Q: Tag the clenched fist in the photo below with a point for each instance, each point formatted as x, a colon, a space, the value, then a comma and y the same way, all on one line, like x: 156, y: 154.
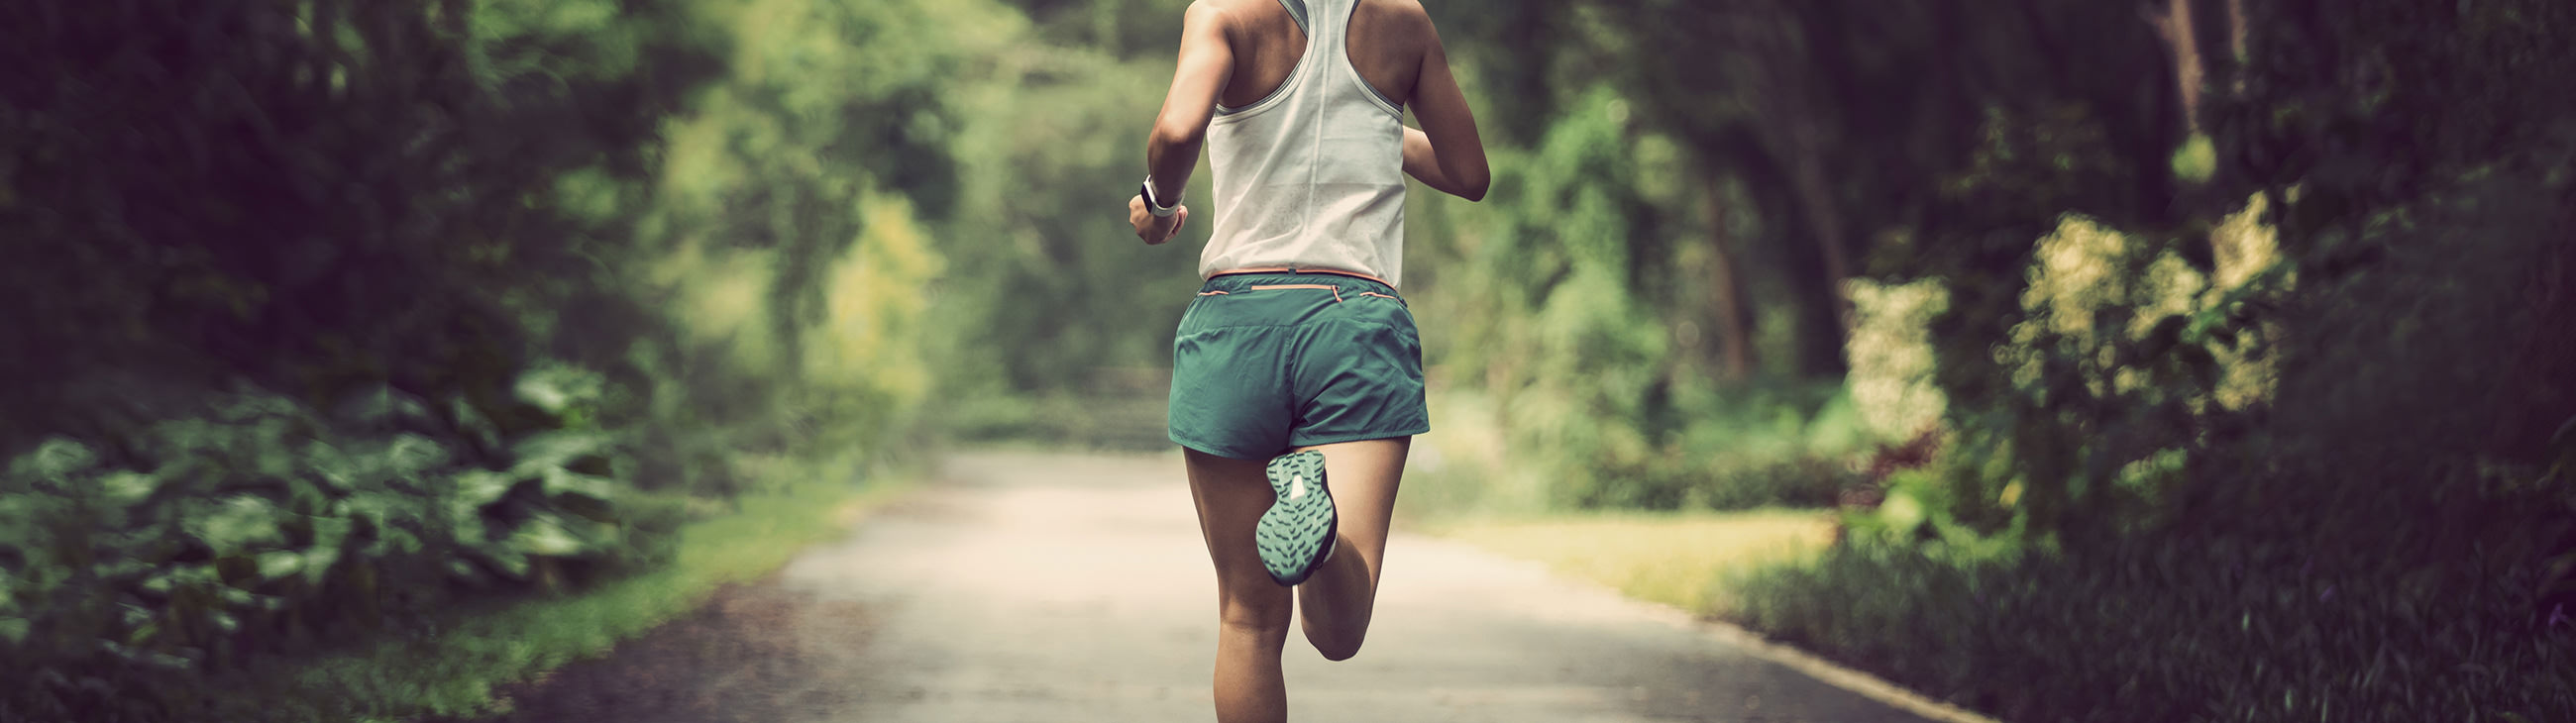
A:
x: 1153, y: 230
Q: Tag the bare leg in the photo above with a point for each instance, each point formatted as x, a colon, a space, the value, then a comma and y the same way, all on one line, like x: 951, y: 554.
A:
x: 1338, y: 599
x: 1252, y: 610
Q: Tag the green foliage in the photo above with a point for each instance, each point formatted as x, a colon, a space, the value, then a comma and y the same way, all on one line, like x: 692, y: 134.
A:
x: 2217, y: 631
x: 482, y: 646
x: 312, y: 196
x: 2268, y: 280
x: 1050, y: 295
x: 300, y: 275
x: 266, y: 527
x: 1561, y: 312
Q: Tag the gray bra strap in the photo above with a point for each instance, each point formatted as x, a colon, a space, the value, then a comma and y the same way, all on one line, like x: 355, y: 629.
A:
x: 1297, y: 10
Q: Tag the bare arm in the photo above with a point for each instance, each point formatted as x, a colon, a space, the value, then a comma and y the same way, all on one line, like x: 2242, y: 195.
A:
x: 1446, y: 154
x: 1172, y: 152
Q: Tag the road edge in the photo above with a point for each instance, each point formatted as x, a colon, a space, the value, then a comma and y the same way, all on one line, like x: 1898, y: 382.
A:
x: 1837, y: 675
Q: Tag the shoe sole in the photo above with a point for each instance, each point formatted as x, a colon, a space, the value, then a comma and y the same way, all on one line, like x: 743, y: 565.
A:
x: 1297, y: 533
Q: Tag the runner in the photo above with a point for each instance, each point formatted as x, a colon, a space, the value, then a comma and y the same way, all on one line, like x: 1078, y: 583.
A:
x: 1296, y: 372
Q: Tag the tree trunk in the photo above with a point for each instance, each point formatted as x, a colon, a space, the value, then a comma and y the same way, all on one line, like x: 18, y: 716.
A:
x: 2175, y: 26
x: 1825, y: 224
x: 1726, y: 293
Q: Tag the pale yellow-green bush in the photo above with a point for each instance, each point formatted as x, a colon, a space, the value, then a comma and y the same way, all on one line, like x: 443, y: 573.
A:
x: 2084, y: 269
x: 1891, y: 355
x: 867, y: 352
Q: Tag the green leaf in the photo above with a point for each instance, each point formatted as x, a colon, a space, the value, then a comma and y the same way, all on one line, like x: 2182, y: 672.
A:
x: 558, y: 389
x: 242, y: 523
x: 508, y: 560
x: 317, y: 564
x: 555, y: 449
x: 14, y: 630
x: 476, y: 488
x: 391, y: 541
x: 545, y: 535
x: 469, y: 529
x: 381, y: 405
x: 411, y: 454
x: 128, y: 488
x: 330, y: 466
x: 2196, y: 160
x: 559, y: 482
x: 473, y: 424
x: 1903, y: 511
x: 278, y: 564
x: 55, y: 459
x: 329, y: 532
x: 543, y: 392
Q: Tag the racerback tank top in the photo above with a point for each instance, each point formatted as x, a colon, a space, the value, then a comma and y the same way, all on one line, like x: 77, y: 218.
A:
x: 1312, y: 176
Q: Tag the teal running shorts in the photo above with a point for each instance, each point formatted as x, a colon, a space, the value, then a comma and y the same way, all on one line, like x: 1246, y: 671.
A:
x: 1267, y: 362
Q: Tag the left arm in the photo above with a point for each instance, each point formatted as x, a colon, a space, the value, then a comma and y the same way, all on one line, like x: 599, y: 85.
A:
x: 1172, y: 152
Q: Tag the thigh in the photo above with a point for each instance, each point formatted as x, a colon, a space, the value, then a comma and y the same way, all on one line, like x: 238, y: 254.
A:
x: 1231, y: 495
x: 1364, y: 476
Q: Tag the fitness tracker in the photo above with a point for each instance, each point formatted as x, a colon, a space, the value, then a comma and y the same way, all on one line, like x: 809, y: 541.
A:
x: 1156, y: 207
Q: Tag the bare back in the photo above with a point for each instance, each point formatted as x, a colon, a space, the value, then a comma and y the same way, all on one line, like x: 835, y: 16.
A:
x: 1387, y: 42
x: 1236, y: 54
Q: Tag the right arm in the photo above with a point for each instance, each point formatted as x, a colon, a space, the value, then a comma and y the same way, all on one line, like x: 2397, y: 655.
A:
x: 1446, y: 153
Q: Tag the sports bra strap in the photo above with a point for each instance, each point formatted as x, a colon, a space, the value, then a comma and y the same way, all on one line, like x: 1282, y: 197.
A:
x: 1297, y: 11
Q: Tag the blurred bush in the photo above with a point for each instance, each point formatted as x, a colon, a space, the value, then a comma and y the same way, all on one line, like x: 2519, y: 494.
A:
x: 266, y: 526
x: 327, y: 314
x: 2224, y: 630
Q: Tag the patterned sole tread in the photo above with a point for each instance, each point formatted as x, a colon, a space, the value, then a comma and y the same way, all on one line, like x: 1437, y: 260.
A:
x: 1295, y: 534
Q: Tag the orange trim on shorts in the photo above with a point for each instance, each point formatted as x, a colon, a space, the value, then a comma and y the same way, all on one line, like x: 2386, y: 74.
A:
x: 1337, y: 291
x: 1296, y: 270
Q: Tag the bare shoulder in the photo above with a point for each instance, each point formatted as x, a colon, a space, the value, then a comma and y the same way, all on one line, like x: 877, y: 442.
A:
x: 1400, y: 25
x: 1204, y: 11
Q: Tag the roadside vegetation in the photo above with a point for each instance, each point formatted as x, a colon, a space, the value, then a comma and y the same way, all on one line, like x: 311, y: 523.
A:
x: 2205, y: 360
x: 2240, y: 397
x: 363, y: 355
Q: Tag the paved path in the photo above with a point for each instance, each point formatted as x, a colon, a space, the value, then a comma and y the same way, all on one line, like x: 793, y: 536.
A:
x: 1027, y: 587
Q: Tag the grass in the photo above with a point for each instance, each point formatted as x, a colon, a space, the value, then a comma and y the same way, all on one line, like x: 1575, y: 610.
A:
x: 2165, y: 632
x: 1691, y: 560
x: 2207, y: 631
x: 1738, y: 451
x: 456, y: 671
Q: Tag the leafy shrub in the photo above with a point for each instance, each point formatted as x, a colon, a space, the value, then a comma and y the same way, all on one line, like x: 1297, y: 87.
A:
x: 2219, y: 630
x: 129, y: 564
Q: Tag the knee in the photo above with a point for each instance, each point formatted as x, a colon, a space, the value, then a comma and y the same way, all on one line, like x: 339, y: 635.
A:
x: 1260, y: 618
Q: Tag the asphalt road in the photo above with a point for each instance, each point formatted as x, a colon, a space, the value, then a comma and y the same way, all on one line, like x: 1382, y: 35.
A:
x: 1038, y: 587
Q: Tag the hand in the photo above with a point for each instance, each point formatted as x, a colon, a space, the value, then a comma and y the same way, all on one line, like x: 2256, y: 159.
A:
x: 1154, y: 231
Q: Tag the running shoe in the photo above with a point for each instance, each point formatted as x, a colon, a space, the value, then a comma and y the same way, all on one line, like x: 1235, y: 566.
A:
x: 1296, y: 535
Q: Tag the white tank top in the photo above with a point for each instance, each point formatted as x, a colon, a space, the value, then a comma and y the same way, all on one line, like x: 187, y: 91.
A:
x: 1313, y: 175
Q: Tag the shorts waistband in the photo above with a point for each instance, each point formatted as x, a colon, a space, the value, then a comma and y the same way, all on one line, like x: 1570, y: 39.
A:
x: 1266, y: 270
x: 1343, y: 285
